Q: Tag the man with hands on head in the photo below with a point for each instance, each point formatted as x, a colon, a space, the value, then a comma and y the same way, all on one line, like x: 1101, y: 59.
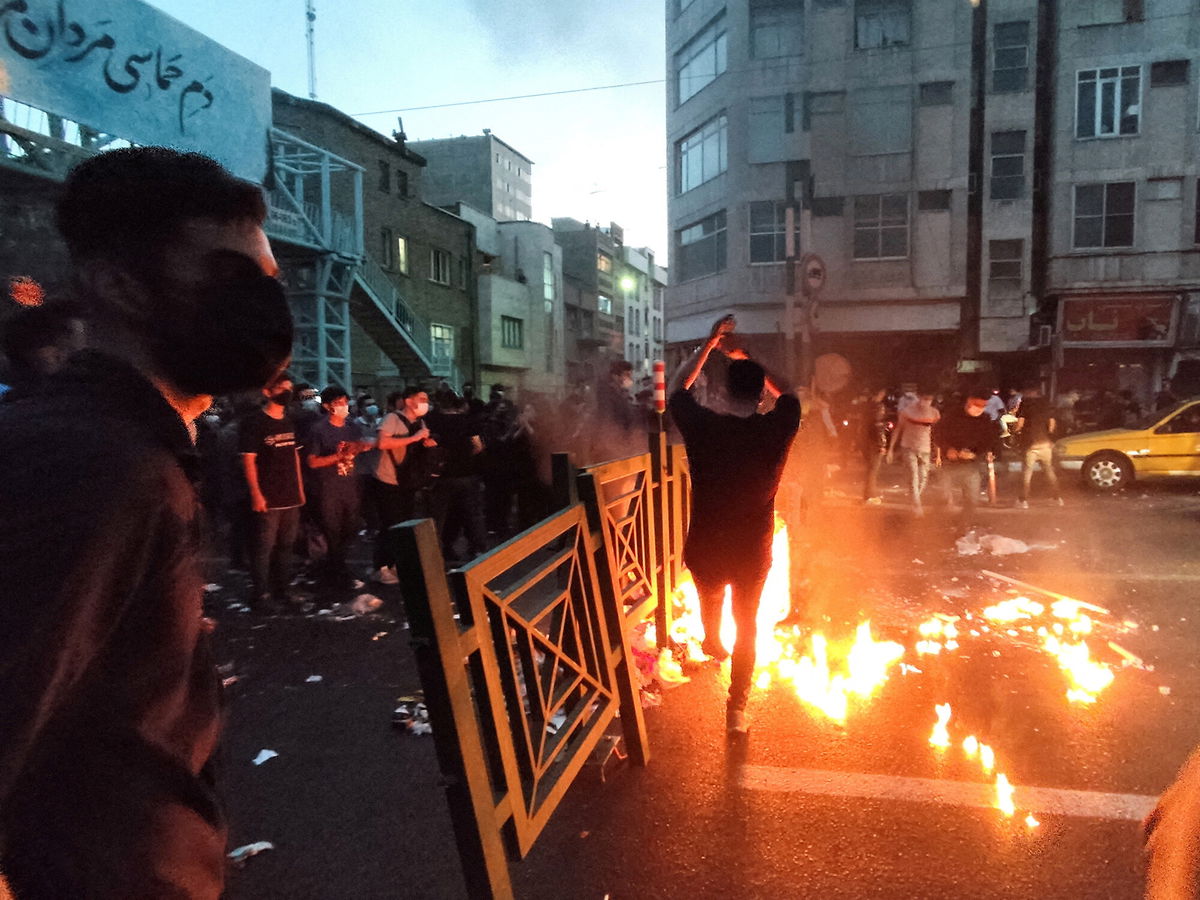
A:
x: 736, y: 460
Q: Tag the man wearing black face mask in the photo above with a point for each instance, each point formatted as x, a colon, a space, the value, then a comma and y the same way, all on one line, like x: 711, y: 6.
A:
x: 271, y: 462
x: 109, y: 702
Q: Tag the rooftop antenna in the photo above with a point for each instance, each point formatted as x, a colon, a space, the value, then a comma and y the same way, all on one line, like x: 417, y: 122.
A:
x: 310, y: 14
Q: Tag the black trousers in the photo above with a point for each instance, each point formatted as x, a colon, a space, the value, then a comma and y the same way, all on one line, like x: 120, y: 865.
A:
x: 458, y: 505
x: 273, y: 538
x: 337, y: 516
x: 393, y: 505
x: 744, y: 575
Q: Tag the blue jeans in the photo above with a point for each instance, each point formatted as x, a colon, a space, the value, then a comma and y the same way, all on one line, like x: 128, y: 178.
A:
x: 917, y: 463
x: 966, y: 477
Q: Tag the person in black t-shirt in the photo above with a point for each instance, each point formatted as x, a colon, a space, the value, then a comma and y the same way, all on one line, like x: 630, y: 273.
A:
x: 456, y: 493
x: 1035, y: 432
x: 271, y: 462
x: 736, y: 461
x: 333, y: 444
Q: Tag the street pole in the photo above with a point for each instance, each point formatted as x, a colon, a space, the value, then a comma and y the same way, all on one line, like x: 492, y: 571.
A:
x: 789, y: 297
x: 807, y: 325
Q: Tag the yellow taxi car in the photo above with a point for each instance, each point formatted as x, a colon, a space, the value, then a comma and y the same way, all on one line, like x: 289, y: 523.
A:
x: 1165, y: 444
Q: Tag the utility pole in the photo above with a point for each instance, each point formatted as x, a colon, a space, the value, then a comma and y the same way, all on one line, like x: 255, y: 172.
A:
x: 789, y: 301
x: 310, y: 15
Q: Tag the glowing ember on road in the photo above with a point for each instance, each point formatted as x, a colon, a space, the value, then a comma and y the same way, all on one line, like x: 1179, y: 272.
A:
x: 941, y: 736
x: 1004, y: 795
x: 1031, y: 821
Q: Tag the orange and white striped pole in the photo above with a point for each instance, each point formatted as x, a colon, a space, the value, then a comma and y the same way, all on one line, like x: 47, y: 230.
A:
x: 660, y: 386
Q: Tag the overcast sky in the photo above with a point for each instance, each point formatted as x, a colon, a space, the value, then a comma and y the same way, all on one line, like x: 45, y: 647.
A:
x: 597, y: 156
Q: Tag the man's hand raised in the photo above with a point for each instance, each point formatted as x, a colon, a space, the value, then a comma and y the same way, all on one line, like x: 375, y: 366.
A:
x: 723, y: 326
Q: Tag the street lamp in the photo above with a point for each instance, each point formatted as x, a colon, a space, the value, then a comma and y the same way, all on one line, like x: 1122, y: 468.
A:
x: 628, y: 283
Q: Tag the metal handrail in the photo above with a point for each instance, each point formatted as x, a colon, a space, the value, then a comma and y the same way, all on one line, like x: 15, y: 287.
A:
x: 383, y: 292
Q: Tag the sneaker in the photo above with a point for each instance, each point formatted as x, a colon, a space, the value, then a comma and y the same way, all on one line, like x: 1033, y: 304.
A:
x: 714, y: 650
x: 1059, y: 501
x: 386, y: 575
x: 1022, y: 504
x: 736, y: 721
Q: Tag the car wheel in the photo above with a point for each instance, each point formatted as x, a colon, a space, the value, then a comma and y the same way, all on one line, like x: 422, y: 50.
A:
x: 1107, y: 472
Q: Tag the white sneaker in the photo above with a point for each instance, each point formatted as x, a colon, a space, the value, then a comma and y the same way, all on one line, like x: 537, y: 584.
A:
x: 1022, y: 504
x: 1059, y: 501
x: 387, y: 575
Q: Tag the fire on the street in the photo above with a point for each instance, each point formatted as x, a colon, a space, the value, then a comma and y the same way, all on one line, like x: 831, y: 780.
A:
x: 835, y: 676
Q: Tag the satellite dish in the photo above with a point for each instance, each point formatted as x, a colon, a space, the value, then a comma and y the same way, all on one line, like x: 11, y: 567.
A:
x: 831, y: 372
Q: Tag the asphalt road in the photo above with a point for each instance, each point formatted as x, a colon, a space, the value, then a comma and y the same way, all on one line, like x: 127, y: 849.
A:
x: 802, y: 807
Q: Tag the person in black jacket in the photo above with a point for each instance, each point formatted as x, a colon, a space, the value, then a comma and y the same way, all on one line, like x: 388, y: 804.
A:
x: 966, y: 439
x: 109, y: 700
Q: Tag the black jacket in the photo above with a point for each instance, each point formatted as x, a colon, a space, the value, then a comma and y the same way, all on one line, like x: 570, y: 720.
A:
x: 109, y: 701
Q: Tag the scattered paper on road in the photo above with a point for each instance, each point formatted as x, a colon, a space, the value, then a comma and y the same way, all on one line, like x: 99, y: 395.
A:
x: 243, y: 853
x: 263, y: 756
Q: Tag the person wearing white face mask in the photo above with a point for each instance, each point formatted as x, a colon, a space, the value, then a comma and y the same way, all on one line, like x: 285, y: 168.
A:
x: 397, y: 473
x: 334, y: 442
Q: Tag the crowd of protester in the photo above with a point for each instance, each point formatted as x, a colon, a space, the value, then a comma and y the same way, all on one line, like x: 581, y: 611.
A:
x: 292, y: 479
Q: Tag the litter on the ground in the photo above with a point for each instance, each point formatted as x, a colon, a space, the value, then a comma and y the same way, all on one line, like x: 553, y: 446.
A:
x: 365, y: 603
x: 313, y: 679
x: 211, y: 588
x: 243, y: 853
x: 263, y: 756
x: 230, y: 681
x: 412, y: 715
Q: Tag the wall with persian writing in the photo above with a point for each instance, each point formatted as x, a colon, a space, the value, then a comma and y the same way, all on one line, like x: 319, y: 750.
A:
x: 124, y: 68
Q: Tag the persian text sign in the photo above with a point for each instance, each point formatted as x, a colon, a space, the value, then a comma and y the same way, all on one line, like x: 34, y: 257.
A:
x: 1118, y: 319
x: 126, y: 69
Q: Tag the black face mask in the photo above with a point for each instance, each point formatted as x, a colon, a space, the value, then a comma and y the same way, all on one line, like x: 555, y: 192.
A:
x: 283, y: 398
x: 233, y: 331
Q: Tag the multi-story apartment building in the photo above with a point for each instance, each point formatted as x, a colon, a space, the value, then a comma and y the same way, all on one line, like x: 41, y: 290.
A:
x: 965, y: 173
x: 418, y: 257
x: 641, y: 284
x: 520, y: 312
x: 481, y: 171
x: 595, y: 304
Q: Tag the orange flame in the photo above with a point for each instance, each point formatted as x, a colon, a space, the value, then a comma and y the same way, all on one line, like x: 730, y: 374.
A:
x: 940, y: 737
x: 1004, y: 795
x: 25, y: 291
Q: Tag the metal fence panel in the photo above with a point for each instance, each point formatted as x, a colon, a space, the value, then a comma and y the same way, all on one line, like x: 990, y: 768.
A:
x: 522, y: 677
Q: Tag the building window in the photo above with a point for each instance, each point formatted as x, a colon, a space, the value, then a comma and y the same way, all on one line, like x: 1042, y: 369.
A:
x: 658, y: 291
x: 441, y: 339
x: 1196, y: 236
x: 512, y: 333
x: 439, y: 266
x: 700, y: 247
x: 1004, y: 265
x: 1010, y: 57
x: 548, y: 276
x: 401, y: 182
x: 702, y: 59
x: 658, y: 329
x: 703, y: 154
x: 604, y: 304
x: 402, y: 255
x: 587, y: 323
x: 1108, y: 101
x: 1169, y: 72
x: 937, y: 93
x: 1008, y: 165
x: 776, y: 29
x: 387, y: 248
x: 604, y: 263
x: 1104, y: 215
x: 933, y: 201
x: 385, y: 176
x: 768, y: 231
x: 881, y: 226
x: 462, y: 272
x: 826, y: 207
x: 881, y: 23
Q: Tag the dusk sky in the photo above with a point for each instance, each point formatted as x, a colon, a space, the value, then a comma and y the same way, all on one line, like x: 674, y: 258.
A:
x: 597, y: 156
